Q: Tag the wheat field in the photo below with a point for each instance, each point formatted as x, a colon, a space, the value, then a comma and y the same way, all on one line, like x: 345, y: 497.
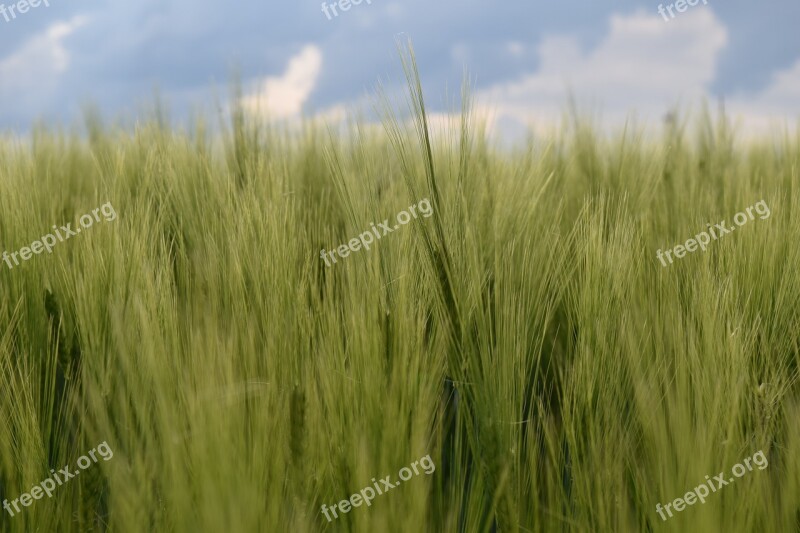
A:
x: 525, y: 337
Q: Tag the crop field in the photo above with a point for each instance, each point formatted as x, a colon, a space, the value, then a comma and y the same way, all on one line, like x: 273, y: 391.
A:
x: 229, y: 351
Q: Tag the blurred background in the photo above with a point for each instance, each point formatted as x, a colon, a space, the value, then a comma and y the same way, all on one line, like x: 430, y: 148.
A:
x: 525, y: 59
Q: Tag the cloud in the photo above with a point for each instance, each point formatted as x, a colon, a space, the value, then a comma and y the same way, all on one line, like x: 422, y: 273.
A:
x: 643, y: 67
x: 283, y: 96
x: 32, y: 71
x: 762, y: 112
x: 643, y: 64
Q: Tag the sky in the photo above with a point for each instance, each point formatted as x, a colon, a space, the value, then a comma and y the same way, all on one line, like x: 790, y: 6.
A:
x: 617, y: 59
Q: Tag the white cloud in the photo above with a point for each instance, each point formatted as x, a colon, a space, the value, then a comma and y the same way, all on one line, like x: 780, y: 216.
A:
x: 766, y: 110
x: 643, y: 65
x: 31, y: 72
x: 283, y: 96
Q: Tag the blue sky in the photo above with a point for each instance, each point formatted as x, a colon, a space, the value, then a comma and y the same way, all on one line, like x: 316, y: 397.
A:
x: 616, y: 57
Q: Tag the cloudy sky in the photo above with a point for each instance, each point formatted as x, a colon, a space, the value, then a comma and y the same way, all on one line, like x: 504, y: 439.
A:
x: 525, y: 57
